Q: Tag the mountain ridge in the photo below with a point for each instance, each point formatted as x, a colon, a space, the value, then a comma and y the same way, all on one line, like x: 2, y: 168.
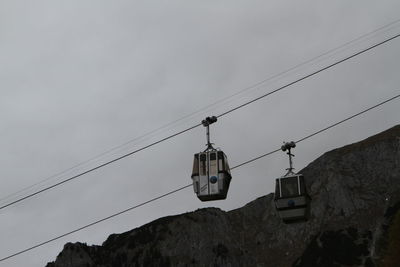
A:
x: 355, y: 205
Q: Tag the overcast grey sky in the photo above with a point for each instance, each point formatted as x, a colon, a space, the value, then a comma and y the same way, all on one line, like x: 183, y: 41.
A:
x: 78, y: 78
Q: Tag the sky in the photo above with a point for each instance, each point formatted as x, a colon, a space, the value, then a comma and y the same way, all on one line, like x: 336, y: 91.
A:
x: 84, y: 82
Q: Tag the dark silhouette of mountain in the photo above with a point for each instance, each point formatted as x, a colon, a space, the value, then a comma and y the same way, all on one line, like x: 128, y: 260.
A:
x: 354, y: 221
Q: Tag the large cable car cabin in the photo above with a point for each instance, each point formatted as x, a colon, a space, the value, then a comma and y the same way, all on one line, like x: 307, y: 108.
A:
x: 211, y: 174
x: 291, y: 198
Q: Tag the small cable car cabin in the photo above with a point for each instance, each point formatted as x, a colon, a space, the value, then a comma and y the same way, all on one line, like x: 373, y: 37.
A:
x: 291, y: 198
x: 211, y: 175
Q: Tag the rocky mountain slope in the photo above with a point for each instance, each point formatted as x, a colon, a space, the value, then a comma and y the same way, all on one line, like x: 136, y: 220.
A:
x: 354, y: 221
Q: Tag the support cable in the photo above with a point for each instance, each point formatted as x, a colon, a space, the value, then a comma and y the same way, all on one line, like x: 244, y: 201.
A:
x: 98, y: 167
x: 319, y: 131
x: 310, y: 75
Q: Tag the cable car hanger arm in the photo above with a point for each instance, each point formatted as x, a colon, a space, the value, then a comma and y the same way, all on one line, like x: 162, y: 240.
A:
x: 206, y: 123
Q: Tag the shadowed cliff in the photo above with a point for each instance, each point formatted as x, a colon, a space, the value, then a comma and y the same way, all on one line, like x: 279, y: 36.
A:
x: 354, y: 221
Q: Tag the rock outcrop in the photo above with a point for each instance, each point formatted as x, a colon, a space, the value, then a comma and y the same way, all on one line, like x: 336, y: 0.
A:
x: 354, y: 221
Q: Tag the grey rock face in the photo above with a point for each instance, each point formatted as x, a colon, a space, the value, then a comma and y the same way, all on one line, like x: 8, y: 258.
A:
x: 354, y: 189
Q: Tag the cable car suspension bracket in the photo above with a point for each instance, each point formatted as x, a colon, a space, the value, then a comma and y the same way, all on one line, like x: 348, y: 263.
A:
x: 288, y: 146
x: 206, y: 123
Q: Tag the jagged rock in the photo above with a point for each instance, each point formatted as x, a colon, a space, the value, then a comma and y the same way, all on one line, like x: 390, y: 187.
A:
x: 77, y: 255
x: 354, y: 221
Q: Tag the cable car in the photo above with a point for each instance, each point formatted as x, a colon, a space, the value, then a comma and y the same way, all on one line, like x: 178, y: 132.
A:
x: 211, y: 175
x: 291, y: 198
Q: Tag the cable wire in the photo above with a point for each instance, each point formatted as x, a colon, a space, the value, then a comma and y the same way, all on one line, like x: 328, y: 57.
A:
x: 310, y: 75
x: 195, y: 126
x: 99, y: 166
x: 319, y: 131
x: 189, y: 185
x: 95, y: 222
